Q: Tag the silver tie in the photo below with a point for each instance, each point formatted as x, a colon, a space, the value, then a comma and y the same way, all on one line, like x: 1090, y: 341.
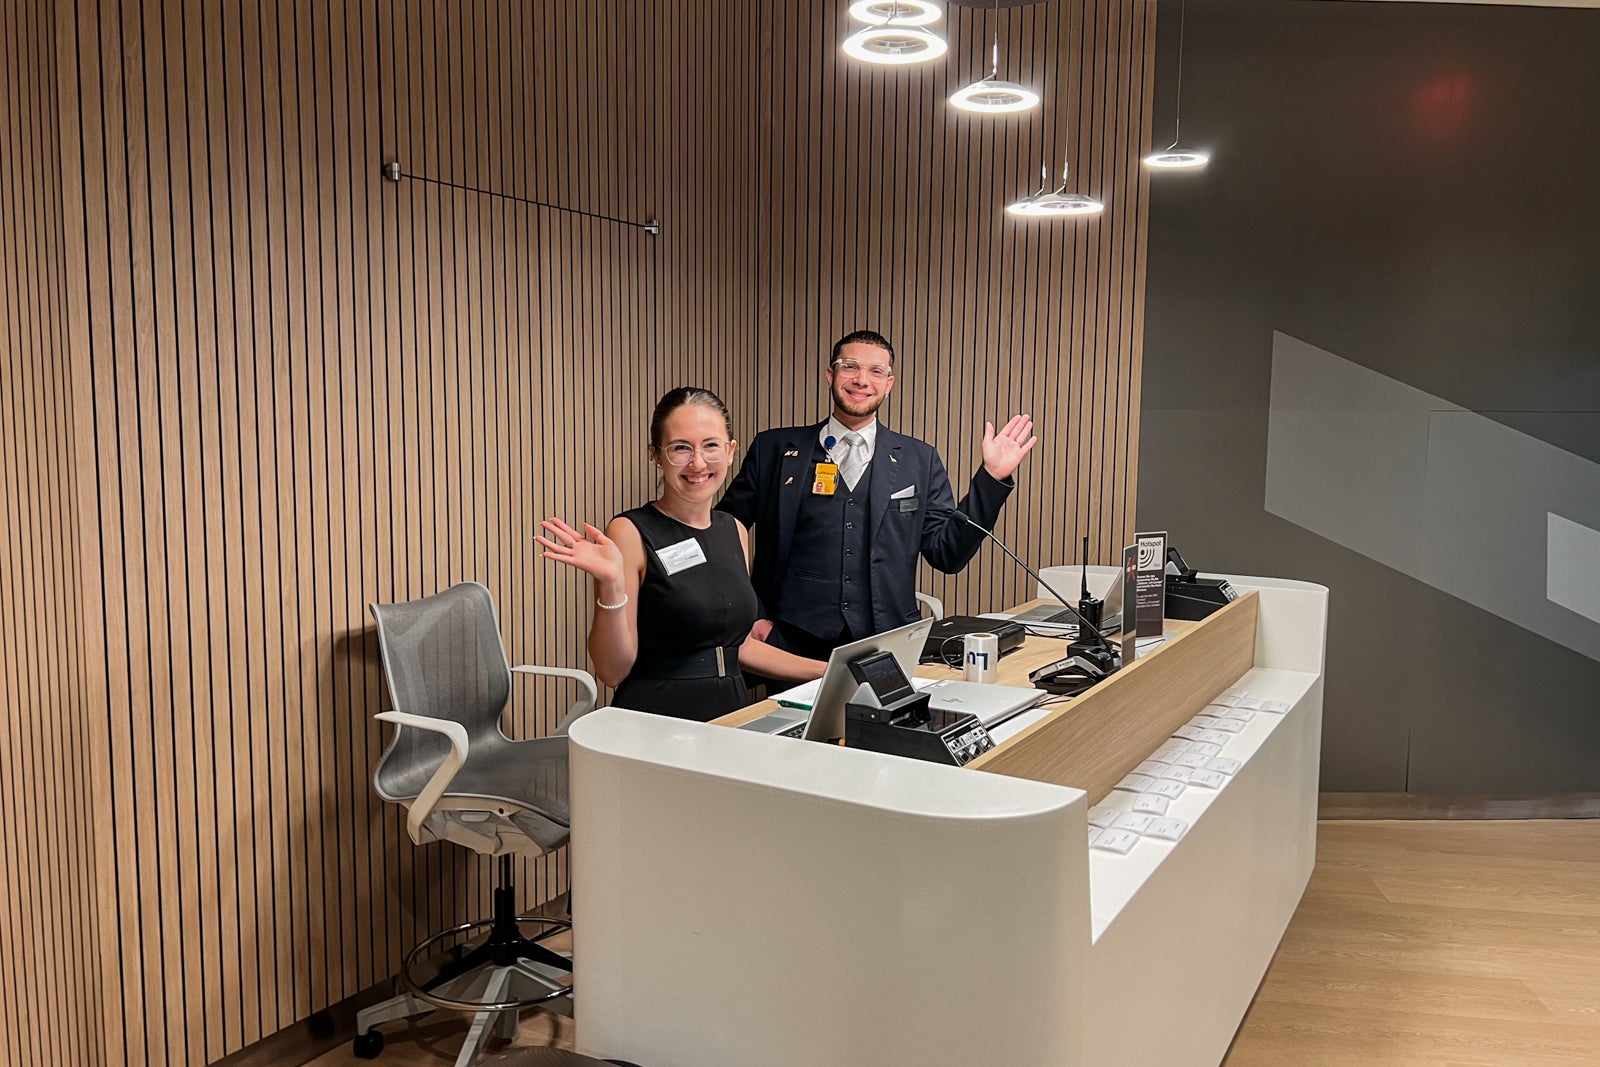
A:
x: 854, y: 460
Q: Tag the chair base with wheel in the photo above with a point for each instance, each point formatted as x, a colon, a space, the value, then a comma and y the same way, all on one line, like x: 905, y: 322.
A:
x: 492, y: 979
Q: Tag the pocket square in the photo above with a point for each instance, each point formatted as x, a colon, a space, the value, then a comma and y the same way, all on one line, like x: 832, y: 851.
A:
x: 901, y: 494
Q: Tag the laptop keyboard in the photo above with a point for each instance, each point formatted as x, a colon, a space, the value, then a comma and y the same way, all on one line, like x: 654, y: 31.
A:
x: 797, y: 730
x: 1045, y: 613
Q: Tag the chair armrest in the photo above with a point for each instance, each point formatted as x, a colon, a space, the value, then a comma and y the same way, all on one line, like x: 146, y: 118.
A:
x: 422, y: 807
x: 580, y: 707
x: 934, y: 604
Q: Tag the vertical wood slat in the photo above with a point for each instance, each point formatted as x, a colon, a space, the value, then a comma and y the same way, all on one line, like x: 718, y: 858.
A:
x: 294, y: 389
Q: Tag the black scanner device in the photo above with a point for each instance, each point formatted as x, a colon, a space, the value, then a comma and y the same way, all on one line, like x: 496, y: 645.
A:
x: 888, y: 715
x: 1190, y: 596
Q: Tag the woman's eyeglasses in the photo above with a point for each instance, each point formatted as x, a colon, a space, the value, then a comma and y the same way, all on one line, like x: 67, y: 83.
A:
x: 712, y: 452
x: 878, y: 372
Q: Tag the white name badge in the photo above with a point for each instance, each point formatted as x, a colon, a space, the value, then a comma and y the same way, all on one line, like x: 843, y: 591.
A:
x: 681, y: 556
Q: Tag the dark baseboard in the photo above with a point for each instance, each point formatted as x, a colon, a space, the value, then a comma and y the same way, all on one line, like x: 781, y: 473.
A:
x: 300, y: 1043
x: 304, y: 1041
x: 1458, y: 806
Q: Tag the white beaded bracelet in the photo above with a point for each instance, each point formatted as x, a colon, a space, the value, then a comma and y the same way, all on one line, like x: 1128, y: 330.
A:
x: 612, y: 607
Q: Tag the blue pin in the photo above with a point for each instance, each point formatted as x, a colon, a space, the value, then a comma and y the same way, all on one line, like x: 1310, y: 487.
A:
x: 828, y: 442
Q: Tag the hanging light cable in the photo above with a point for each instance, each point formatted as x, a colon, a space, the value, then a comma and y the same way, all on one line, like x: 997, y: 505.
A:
x: 993, y: 95
x: 1024, y: 206
x: 1057, y: 204
x: 900, y: 38
x: 1172, y: 157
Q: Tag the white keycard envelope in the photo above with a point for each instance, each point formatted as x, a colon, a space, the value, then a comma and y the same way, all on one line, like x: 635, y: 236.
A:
x: 1118, y: 841
x: 1167, y: 787
x: 1227, y: 726
x: 1102, y: 816
x: 1167, y: 829
x: 1206, y: 779
x: 681, y: 556
x: 1150, y: 804
x: 1129, y: 820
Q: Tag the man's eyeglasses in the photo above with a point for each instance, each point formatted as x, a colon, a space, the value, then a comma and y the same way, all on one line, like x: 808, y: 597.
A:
x: 712, y: 452
x: 878, y: 372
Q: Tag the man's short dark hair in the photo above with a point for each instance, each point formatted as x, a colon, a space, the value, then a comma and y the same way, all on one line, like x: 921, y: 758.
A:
x: 862, y: 337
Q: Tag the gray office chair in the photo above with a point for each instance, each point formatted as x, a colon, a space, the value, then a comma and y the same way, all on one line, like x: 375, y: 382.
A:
x: 462, y: 779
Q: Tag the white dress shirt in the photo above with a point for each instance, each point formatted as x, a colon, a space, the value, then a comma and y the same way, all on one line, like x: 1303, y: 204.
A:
x: 836, y: 430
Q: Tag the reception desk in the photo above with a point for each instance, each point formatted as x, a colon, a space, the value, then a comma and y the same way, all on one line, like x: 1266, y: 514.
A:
x: 750, y: 899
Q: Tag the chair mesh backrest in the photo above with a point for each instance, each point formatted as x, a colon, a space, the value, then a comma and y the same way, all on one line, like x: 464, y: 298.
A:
x: 443, y: 658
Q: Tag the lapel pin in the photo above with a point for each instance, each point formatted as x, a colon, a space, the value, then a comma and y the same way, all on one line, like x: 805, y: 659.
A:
x: 893, y: 460
x: 789, y: 480
x: 792, y: 452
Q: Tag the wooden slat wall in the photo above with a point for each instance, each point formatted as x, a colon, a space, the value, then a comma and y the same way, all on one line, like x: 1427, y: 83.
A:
x: 50, y: 984
x: 881, y: 207
x: 253, y: 387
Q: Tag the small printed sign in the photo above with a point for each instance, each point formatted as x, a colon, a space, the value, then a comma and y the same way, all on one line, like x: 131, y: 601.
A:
x: 1151, y: 583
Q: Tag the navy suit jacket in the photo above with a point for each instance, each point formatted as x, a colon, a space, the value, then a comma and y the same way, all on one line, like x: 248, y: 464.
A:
x: 778, y: 472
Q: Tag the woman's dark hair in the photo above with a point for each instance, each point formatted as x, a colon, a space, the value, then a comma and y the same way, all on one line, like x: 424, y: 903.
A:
x: 677, y: 398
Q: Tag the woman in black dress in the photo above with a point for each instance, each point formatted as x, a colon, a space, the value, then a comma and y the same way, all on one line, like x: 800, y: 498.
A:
x: 673, y: 599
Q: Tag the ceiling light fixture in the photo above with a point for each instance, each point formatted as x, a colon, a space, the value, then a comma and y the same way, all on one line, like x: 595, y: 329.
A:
x: 993, y: 95
x: 905, y: 12
x: 1172, y: 157
x: 1056, y: 205
x: 897, y: 41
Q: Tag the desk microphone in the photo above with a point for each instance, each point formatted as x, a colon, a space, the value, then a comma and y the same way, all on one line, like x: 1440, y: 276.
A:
x: 1105, y: 655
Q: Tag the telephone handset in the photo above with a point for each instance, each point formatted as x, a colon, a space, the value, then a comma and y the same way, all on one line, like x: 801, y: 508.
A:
x: 1067, y: 677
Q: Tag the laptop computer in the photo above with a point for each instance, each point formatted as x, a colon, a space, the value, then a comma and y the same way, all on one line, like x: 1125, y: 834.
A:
x: 1050, y: 615
x: 815, y: 710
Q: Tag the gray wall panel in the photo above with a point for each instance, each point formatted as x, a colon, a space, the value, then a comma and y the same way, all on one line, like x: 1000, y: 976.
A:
x: 1407, y: 187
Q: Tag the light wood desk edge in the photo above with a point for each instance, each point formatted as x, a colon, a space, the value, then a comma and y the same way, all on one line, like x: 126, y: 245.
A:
x: 1092, y: 741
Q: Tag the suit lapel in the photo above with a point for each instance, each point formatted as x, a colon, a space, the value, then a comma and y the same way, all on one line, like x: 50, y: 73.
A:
x: 884, y: 471
x: 794, y: 481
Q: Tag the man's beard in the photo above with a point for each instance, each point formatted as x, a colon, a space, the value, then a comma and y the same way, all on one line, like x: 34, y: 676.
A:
x: 850, y: 407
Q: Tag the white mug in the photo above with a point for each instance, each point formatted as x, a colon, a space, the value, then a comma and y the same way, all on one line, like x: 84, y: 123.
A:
x: 982, y: 657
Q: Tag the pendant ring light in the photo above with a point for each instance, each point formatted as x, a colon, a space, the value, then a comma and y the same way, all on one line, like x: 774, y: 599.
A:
x: 994, y: 95
x: 1172, y: 157
x: 1059, y: 204
x: 899, y: 39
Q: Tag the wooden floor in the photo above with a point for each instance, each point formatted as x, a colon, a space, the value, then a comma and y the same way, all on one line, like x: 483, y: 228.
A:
x: 1445, y: 944
x: 1451, y: 944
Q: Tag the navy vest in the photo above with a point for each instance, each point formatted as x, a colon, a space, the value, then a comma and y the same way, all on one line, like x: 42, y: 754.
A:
x: 828, y: 588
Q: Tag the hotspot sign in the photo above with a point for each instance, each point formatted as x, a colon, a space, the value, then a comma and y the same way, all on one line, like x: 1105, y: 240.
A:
x: 1150, y: 584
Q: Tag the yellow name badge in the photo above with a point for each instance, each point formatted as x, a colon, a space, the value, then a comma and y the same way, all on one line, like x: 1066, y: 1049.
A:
x: 827, y: 476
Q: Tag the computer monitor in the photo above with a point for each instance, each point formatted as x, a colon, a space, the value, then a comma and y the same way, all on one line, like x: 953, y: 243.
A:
x: 838, y: 684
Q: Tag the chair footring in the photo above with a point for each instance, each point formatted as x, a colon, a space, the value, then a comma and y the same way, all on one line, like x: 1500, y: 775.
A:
x: 501, y: 950
x: 484, y: 991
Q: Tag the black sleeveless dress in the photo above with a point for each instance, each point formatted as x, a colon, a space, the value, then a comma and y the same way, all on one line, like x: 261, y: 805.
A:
x: 692, y: 621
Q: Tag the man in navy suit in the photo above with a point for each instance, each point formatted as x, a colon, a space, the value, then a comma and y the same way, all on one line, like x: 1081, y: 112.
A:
x: 842, y: 509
